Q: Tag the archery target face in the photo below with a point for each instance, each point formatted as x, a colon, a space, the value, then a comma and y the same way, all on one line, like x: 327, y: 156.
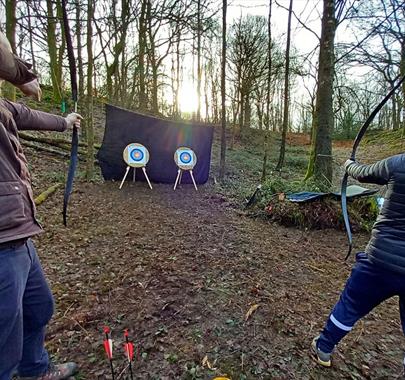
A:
x: 136, y: 155
x: 185, y: 158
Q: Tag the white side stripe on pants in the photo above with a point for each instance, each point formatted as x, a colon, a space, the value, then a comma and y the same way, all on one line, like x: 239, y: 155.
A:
x: 340, y: 325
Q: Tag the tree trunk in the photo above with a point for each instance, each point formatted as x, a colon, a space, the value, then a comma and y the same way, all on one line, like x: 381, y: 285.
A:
x: 223, y: 89
x: 234, y: 120
x: 113, y: 69
x: 269, y: 68
x: 402, y: 72
x: 153, y: 60
x: 62, y: 49
x: 89, y: 119
x: 241, y: 115
x: 320, y: 164
x: 177, y: 89
x: 206, y: 100
x: 248, y: 114
x: 11, y: 23
x: 34, y: 64
x: 79, y: 50
x: 286, y: 92
x: 142, y: 51
x: 198, y: 60
x: 80, y: 65
x: 53, y: 52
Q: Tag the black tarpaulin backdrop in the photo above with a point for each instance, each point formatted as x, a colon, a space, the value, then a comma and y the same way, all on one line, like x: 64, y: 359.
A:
x: 161, y: 138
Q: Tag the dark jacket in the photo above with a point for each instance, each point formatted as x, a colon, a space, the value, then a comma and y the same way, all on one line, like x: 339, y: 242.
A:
x: 14, y: 69
x: 17, y: 208
x: 386, y: 247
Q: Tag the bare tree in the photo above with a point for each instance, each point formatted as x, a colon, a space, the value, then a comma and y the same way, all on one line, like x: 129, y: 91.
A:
x: 269, y: 70
x: 11, y: 23
x: 280, y: 162
x: 89, y: 111
x: 320, y: 163
x: 223, y: 94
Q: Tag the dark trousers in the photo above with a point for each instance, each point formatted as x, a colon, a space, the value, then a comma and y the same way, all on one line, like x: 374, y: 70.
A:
x: 26, y: 306
x: 367, y: 286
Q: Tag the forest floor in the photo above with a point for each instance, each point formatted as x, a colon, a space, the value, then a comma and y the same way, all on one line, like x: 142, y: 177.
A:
x: 204, y: 288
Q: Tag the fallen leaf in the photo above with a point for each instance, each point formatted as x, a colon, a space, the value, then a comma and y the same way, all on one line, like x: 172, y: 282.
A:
x: 206, y: 363
x: 252, y: 309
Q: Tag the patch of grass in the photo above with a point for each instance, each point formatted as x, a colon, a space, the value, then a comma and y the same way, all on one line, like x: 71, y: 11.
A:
x: 55, y: 176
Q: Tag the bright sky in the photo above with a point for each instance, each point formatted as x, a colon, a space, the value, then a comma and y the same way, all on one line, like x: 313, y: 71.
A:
x: 309, y: 11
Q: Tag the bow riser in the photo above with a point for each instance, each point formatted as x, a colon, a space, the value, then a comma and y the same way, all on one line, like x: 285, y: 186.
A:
x: 75, y: 134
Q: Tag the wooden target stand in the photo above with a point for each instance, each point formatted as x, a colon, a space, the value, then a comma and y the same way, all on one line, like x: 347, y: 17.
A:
x: 136, y: 156
x: 185, y: 159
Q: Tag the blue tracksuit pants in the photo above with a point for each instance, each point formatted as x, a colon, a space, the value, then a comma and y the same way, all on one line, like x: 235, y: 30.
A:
x: 26, y: 306
x: 367, y: 286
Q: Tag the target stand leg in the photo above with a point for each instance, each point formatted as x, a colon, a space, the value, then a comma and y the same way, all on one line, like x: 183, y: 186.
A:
x: 192, y: 178
x: 146, y: 176
x: 133, y: 178
x: 177, y: 179
x: 125, y: 176
x: 181, y: 177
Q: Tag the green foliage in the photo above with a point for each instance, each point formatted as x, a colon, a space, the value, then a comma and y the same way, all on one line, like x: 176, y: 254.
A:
x: 364, y: 212
x: 171, y: 358
x: 390, y: 142
x: 54, y: 176
x: 347, y: 127
x: 193, y: 371
x: 296, y: 162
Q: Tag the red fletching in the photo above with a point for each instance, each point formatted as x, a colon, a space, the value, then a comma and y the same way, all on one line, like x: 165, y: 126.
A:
x: 126, y: 333
x: 108, y: 348
x: 129, y: 350
x: 106, y: 329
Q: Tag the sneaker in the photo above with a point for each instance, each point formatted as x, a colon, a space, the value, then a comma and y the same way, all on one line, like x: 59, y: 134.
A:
x: 323, y: 358
x: 55, y: 372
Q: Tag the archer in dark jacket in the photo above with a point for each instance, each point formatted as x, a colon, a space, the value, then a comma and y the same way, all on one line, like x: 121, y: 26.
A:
x: 26, y: 302
x: 379, y: 272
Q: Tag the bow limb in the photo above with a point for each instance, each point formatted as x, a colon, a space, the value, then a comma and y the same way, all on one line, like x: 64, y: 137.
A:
x: 75, y: 135
x: 345, y: 213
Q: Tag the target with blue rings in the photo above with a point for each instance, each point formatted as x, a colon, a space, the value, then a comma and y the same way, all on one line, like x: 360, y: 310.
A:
x: 185, y: 158
x: 136, y: 155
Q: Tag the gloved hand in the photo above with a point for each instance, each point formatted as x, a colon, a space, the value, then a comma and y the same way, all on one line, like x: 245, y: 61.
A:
x: 31, y: 89
x: 348, y: 163
x: 73, y: 119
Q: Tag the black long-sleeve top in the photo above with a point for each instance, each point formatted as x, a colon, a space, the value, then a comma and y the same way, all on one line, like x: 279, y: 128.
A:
x: 386, y: 246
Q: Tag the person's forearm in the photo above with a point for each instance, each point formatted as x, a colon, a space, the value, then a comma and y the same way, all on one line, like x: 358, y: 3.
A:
x: 377, y: 173
x: 27, y: 119
x: 42, y: 121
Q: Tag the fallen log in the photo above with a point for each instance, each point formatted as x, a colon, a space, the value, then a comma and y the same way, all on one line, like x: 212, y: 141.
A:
x: 46, y: 149
x: 52, y: 141
x: 56, y: 152
x: 43, y: 196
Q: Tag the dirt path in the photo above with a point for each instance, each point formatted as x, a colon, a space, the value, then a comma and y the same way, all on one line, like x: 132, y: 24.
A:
x: 181, y: 269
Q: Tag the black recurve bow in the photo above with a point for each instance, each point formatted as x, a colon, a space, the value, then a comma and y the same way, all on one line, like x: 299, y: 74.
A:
x: 356, y: 144
x: 75, y: 135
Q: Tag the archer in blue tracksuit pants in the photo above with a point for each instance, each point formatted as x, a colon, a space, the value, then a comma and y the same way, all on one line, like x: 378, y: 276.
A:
x: 26, y: 306
x: 379, y: 272
x: 359, y: 297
